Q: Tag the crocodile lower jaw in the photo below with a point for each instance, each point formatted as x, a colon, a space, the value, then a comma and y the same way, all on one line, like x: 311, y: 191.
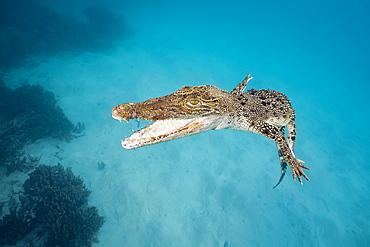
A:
x: 170, y: 129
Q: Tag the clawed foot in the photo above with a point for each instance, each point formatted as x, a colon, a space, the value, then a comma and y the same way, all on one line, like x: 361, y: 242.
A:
x: 298, y: 172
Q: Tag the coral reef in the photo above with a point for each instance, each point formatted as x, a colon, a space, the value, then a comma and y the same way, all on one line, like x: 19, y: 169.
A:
x: 101, y: 165
x: 27, y: 28
x: 27, y: 114
x: 14, y: 226
x: 54, y: 210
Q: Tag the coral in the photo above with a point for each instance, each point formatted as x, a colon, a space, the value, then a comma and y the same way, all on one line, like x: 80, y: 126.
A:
x: 36, y: 108
x: 78, y: 130
x: 21, y: 162
x: 55, y: 206
x: 27, y: 114
x: 101, y: 165
x: 14, y: 226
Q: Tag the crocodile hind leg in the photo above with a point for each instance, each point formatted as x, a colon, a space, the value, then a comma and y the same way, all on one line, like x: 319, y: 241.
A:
x: 283, y: 163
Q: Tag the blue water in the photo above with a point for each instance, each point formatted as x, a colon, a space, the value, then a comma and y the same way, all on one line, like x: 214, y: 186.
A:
x: 215, y: 189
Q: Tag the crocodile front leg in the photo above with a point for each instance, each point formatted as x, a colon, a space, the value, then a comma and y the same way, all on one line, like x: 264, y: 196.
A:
x: 291, y: 140
x: 294, y: 163
x: 274, y: 134
x: 284, y: 149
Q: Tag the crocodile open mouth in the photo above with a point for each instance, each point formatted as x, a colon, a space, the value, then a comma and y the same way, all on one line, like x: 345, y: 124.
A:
x: 169, y: 129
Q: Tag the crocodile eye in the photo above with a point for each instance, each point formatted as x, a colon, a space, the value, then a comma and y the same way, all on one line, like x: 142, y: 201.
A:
x: 193, y: 102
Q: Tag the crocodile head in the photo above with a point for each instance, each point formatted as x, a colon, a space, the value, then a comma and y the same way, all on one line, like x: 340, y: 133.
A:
x: 188, y: 111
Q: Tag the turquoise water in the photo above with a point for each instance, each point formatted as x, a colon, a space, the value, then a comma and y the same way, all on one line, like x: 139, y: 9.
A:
x: 215, y: 189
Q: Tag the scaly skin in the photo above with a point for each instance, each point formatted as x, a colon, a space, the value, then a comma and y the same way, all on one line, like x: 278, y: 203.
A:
x: 193, y: 110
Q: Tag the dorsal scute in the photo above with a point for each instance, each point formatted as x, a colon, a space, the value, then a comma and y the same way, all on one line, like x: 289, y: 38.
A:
x: 241, y: 86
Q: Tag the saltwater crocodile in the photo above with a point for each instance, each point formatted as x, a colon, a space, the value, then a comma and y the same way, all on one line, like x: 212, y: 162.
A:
x: 193, y: 110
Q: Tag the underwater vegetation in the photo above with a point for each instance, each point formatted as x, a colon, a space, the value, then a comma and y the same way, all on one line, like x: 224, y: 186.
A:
x: 53, y: 211
x: 28, y: 114
x: 28, y: 29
